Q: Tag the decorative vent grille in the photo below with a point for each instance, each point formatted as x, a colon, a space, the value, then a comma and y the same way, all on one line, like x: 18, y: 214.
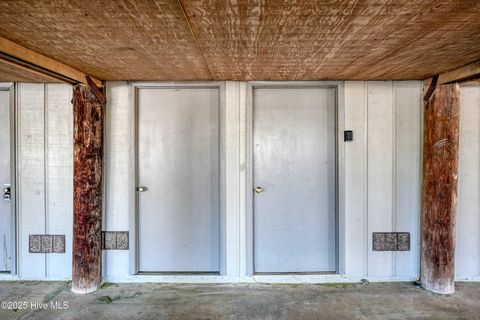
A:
x: 391, y: 241
x: 46, y: 243
x: 115, y: 240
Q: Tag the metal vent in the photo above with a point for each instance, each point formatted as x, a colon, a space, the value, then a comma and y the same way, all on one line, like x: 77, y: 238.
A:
x: 46, y: 243
x: 115, y: 240
x: 391, y: 241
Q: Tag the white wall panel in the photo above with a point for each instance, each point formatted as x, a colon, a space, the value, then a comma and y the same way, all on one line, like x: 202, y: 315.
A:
x: 382, y: 175
x: 235, y: 237
x: 119, y: 157
x: 59, y: 175
x: 31, y: 176
x: 407, y: 172
x: 356, y: 243
x: 380, y: 151
x: 467, y: 255
x: 45, y: 175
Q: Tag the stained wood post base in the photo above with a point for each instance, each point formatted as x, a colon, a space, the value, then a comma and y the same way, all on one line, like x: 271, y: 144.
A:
x: 88, y: 115
x: 440, y: 169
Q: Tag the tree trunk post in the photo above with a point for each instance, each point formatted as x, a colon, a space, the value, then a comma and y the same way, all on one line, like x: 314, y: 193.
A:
x: 440, y: 168
x: 88, y: 114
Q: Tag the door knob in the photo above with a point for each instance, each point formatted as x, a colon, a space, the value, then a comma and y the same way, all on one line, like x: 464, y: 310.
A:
x: 258, y: 189
x: 141, y: 189
x: 7, y: 194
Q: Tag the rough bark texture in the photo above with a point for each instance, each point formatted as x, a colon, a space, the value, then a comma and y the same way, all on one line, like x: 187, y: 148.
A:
x: 440, y: 162
x: 87, y: 207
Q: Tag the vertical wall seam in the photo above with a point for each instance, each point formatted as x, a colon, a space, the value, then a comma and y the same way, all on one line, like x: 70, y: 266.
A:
x: 16, y: 236
x: 418, y: 226
x: 240, y: 193
x: 45, y: 166
x: 133, y: 112
x: 394, y: 171
x: 245, y: 254
x: 45, y: 154
x: 365, y: 179
x: 105, y: 181
x: 18, y: 172
x: 237, y: 182
x: 222, y: 164
x: 478, y: 188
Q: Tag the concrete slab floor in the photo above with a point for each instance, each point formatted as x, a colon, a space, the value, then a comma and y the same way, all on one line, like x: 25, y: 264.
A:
x: 238, y: 301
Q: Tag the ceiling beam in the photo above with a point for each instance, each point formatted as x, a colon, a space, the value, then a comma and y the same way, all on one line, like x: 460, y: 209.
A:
x: 12, y: 72
x: 26, y: 58
x: 467, y: 72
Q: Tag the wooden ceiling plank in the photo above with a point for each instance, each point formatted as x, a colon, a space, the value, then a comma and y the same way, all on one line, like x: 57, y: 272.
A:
x: 195, y: 38
x: 26, y: 55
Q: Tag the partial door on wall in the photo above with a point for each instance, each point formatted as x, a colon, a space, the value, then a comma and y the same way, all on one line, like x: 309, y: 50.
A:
x: 294, y: 179
x: 178, y: 167
x: 7, y: 254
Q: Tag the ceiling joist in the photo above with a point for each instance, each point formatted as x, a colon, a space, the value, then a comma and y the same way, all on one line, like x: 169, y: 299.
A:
x: 12, y: 72
x: 27, y: 61
x: 467, y: 72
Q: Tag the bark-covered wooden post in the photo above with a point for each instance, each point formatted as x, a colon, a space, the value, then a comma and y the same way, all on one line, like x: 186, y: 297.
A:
x: 440, y: 163
x: 88, y: 112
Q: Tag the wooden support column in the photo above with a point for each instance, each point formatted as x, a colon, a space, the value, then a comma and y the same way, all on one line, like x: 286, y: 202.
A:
x: 440, y: 163
x: 88, y: 114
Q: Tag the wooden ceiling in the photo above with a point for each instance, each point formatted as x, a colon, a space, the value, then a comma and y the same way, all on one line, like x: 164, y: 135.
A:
x: 248, y: 40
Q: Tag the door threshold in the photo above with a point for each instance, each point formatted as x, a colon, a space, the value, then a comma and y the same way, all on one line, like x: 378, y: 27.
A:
x: 178, y: 273
x: 320, y: 273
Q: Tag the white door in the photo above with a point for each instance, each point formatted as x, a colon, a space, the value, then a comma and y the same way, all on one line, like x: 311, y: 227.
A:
x: 294, y: 176
x: 6, y: 227
x: 178, y: 176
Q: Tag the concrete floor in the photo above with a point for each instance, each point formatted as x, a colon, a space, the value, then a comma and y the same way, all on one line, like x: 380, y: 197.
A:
x: 241, y: 301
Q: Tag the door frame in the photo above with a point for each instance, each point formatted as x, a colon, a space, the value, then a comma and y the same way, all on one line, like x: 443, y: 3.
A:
x: 134, y: 87
x: 339, y: 164
x: 9, y: 86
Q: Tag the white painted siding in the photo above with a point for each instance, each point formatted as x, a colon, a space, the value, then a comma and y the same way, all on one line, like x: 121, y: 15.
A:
x: 356, y: 247
x: 235, y: 100
x: 59, y: 175
x: 408, y: 173
x: 380, y: 170
x: 467, y: 265
x: 119, y: 157
x: 382, y: 180
x: 31, y: 175
x: 382, y: 175
x: 45, y: 176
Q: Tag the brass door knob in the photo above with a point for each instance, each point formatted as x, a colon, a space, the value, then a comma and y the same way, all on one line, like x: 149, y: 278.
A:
x: 258, y: 189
